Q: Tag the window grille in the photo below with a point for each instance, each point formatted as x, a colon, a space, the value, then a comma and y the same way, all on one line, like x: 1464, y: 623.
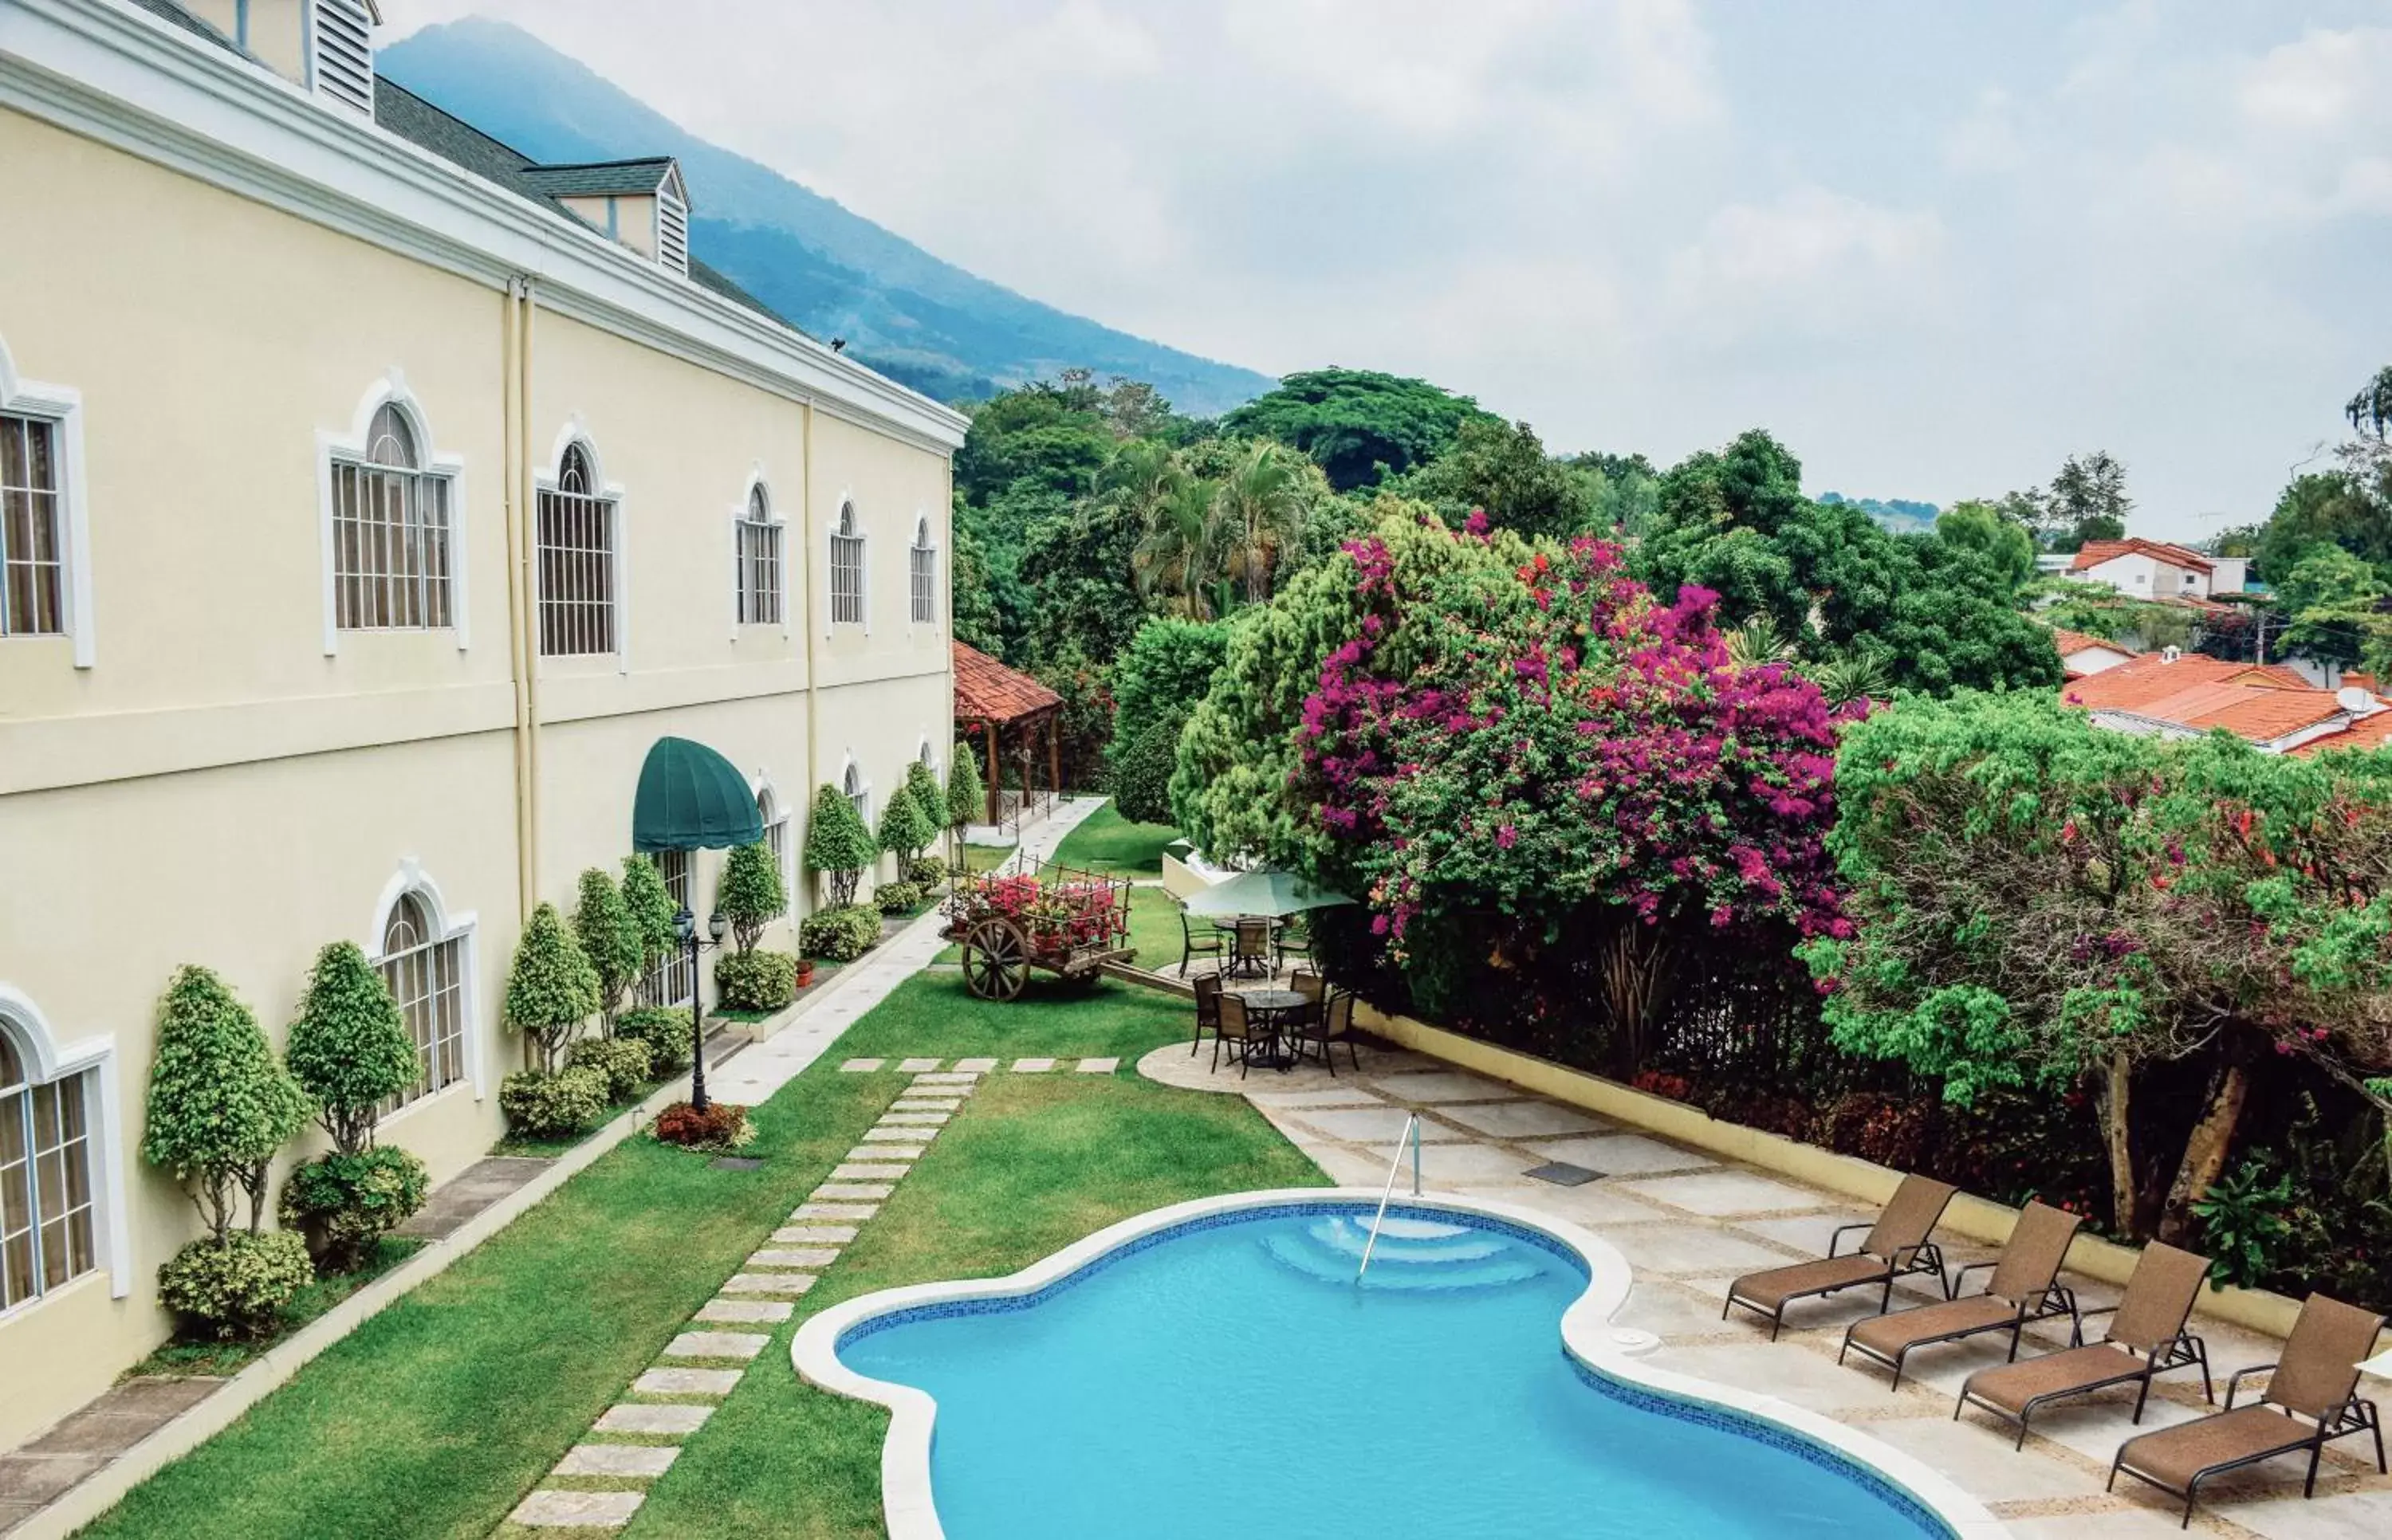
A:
x: 759, y: 563
x: 426, y: 975
x: 776, y: 832
x: 674, y: 978
x: 31, y: 563
x: 46, y: 1232
x: 846, y: 570
x: 922, y: 562
x: 391, y: 547
x: 577, y: 563
x: 342, y: 44
x: 672, y: 230
x: 858, y: 795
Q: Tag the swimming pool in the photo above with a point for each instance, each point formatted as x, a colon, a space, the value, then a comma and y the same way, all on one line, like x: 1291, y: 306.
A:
x: 1214, y: 1370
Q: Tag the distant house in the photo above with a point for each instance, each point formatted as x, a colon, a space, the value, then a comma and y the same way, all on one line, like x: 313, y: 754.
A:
x: 2083, y: 655
x: 2174, y: 694
x: 2150, y: 569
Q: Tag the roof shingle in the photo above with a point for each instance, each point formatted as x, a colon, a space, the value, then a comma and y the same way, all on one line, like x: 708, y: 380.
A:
x: 986, y: 690
x: 2095, y: 553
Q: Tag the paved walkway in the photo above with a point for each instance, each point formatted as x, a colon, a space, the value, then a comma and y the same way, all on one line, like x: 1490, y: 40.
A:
x: 1688, y: 1222
x: 1037, y: 846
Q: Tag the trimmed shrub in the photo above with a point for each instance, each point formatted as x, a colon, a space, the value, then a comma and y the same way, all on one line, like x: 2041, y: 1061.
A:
x: 625, y: 1063
x: 929, y: 800
x: 349, y: 1047
x: 552, y: 988
x: 752, y: 895
x: 344, y: 1203
x: 926, y: 872
x: 609, y: 937
x: 540, y: 1106
x: 966, y: 795
x: 220, y: 1105
x: 236, y: 1286
x: 897, y: 897
x: 837, y: 845
x: 651, y: 906
x: 904, y: 827
x: 755, y: 980
x: 664, y: 1029
x: 1142, y: 763
x: 721, y: 1127
x: 840, y: 935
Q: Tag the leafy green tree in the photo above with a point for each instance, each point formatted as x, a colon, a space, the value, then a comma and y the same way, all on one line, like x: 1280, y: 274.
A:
x: 1356, y: 426
x: 1502, y: 469
x: 2100, y: 610
x: 610, y: 937
x: 966, y: 792
x: 2088, y: 501
x: 752, y: 895
x: 2332, y: 508
x: 1626, y: 492
x: 650, y: 905
x: 220, y: 1105
x: 551, y: 989
x: 2371, y: 410
x: 1078, y: 568
x: 1157, y: 683
x: 904, y: 828
x: 1258, y: 512
x: 349, y: 1047
x: 930, y: 798
x: 2341, y: 607
x: 837, y: 845
x: 2008, y: 547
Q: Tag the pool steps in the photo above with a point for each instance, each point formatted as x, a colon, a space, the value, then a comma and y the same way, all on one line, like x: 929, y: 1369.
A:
x: 1412, y: 1255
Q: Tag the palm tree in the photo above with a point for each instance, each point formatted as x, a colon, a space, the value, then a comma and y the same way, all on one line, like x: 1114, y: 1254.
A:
x: 1176, y: 556
x: 1258, y: 513
x: 1756, y: 642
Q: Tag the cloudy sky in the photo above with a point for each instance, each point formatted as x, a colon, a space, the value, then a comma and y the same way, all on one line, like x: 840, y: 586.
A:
x: 1935, y: 247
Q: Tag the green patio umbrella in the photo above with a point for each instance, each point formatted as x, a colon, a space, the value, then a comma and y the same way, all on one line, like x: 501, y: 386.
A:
x: 1264, y: 892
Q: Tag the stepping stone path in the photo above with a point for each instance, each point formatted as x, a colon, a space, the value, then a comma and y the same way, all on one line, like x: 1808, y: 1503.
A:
x: 602, y: 1481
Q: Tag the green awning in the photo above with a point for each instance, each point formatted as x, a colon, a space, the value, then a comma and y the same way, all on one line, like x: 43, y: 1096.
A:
x: 691, y: 798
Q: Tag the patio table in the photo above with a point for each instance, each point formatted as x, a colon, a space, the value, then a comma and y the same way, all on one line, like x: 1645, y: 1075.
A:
x: 1269, y: 1008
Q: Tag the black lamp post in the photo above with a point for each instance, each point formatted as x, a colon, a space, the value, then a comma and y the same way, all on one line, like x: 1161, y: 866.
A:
x: 685, y: 927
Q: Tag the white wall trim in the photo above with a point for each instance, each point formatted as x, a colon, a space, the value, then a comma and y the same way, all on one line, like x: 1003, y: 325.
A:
x: 576, y: 432
x: 50, y: 1060
x: 349, y: 448
x: 460, y: 927
x: 62, y: 405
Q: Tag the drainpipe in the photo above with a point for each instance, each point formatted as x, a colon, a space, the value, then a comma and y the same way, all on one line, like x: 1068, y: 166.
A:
x: 512, y: 414
x: 813, y: 678
x: 523, y: 591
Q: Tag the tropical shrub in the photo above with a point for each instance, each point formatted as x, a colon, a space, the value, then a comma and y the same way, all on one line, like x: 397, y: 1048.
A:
x: 897, y: 897
x: 220, y: 1105
x: 929, y: 800
x: 234, y: 1286
x: 664, y: 1029
x: 1141, y: 770
x: 904, y: 828
x: 840, y: 935
x: 623, y: 1062
x: 1168, y: 667
x: 966, y: 792
x: 837, y: 845
x: 552, y: 988
x: 348, y: 1048
x: 650, y: 904
x: 926, y: 872
x: 344, y: 1203
x: 721, y: 1127
x: 760, y: 980
x: 541, y: 1105
x: 610, y: 937
x: 752, y: 895
x: 2244, y: 1225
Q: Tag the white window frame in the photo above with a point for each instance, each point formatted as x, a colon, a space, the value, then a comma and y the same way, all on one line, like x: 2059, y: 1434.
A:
x: 922, y: 587
x: 854, y: 785
x: 774, y: 813
x: 333, y: 450
x: 94, y: 1060
x: 847, y: 527
x: 462, y: 927
x: 572, y: 435
x: 61, y: 407
x: 742, y: 520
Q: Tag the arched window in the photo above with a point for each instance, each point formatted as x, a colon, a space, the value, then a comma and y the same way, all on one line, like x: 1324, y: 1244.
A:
x: 922, y: 568
x: 392, y: 546
x: 577, y: 561
x: 776, y: 830
x: 49, y: 1217
x: 847, y: 569
x: 758, y: 574
x: 426, y: 971
x: 929, y: 761
x: 859, y: 793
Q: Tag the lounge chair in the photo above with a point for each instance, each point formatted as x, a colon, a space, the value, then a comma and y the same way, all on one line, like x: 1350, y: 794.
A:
x: 2146, y: 1338
x: 1896, y: 1246
x: 1208, y: 1009
x: 2025, y: 1286
x: 1193, y: 945
x: 2311, y: 1399
x: 1235, y: 1030
x: 1334, y: 1024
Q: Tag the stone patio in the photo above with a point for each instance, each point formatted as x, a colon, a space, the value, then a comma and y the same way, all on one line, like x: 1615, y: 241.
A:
x: 1688, y: 1222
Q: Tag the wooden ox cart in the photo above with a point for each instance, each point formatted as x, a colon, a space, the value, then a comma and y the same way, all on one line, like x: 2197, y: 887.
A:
x: 1063, y: 922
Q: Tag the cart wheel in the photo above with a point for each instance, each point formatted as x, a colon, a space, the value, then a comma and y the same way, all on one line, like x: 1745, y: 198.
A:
x: 997, y: 960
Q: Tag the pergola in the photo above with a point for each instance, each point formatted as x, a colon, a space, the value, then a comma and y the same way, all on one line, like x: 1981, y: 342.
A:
x: 991, y: 698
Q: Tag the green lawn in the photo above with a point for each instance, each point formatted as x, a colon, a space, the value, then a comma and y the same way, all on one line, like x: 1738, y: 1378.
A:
x: 985, y: 858
x: 1105, y: 841
x: 436, y: 1416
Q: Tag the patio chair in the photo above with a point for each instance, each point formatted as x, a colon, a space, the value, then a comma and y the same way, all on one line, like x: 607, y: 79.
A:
x: 2146, y: 1338
x: 1208, y: 1009
x: 1896, y: 1246
x: 1250, y: 949
x: 1240, y: 1031
x: 2025, y: 1286
x: 1293, y: 938
x: 2311, y: 1399
x: 1193, y: 945
x: 1308, y: 984
x: 1332, y: 1023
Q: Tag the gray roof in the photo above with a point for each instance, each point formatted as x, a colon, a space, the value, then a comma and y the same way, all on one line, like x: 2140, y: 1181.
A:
x: 597, y: 178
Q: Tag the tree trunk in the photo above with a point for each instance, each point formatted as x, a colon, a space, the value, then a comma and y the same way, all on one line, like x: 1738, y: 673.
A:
x: 2206, y: 1151
x: 2117, y: 1085
x: 1634, y: 963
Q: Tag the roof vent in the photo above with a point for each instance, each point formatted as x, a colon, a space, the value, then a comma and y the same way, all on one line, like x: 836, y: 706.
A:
x: 339, y: 52
x: 2170, y: 655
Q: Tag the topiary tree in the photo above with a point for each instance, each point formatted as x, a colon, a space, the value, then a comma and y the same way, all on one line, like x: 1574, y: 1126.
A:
x: 967, y: 796
x: 837, y: 845
x: 752, y: 894
x: 904, y: 828
x: 220, y: 1105
x: 552, y: 988
x: 609, y: 937
x: 349, y: 1047
x: 929, y: 800
x: 650, y: 904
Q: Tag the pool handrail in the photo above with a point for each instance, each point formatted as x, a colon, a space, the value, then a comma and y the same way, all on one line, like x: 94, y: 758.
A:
x: 1410, y: 1135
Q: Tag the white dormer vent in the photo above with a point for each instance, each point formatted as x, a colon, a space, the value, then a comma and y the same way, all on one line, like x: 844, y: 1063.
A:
x: 340, y: 53
x: 672, y: 226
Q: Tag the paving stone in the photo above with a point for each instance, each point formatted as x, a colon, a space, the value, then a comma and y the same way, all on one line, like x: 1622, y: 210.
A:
x: 640, y: 1461
x: 39, y: 1477
x: 1432, y: 1086
x: 1522, y: 1119
x: 1033, y: 1066
x: 885, y: 1152
x: 716, y: 1344
x: 1726, y: 1192
x: 927, y: 1104
x: 1099, y: 1067
x: 804, y: 1257
x: 633, y: 1417
x: 814, y: 1234
x: 976, y: 1067
x: 856, y: 1211
x: 1621, y: 1153
x: 1380, y: 1126
x: 863, y: 1171
x: 861, y: 1066
x: 871, y: 1191
x: 893, y: 1118
x: 738, y: 1312
x: 917, y: 1066
x: 947, y: 1078
x: 686, y: 1382
x: 768, y: 1283
x: 577, y: 1509
x: 899, y: 1136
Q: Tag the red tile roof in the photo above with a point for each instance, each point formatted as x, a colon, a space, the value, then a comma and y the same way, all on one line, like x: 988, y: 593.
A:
x: 2367, y: 732
x: 2248, y: 711
x: 2077, y: 641
x: 2139, y: 682
x: 986, y: 690
x: 2097, y: 552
